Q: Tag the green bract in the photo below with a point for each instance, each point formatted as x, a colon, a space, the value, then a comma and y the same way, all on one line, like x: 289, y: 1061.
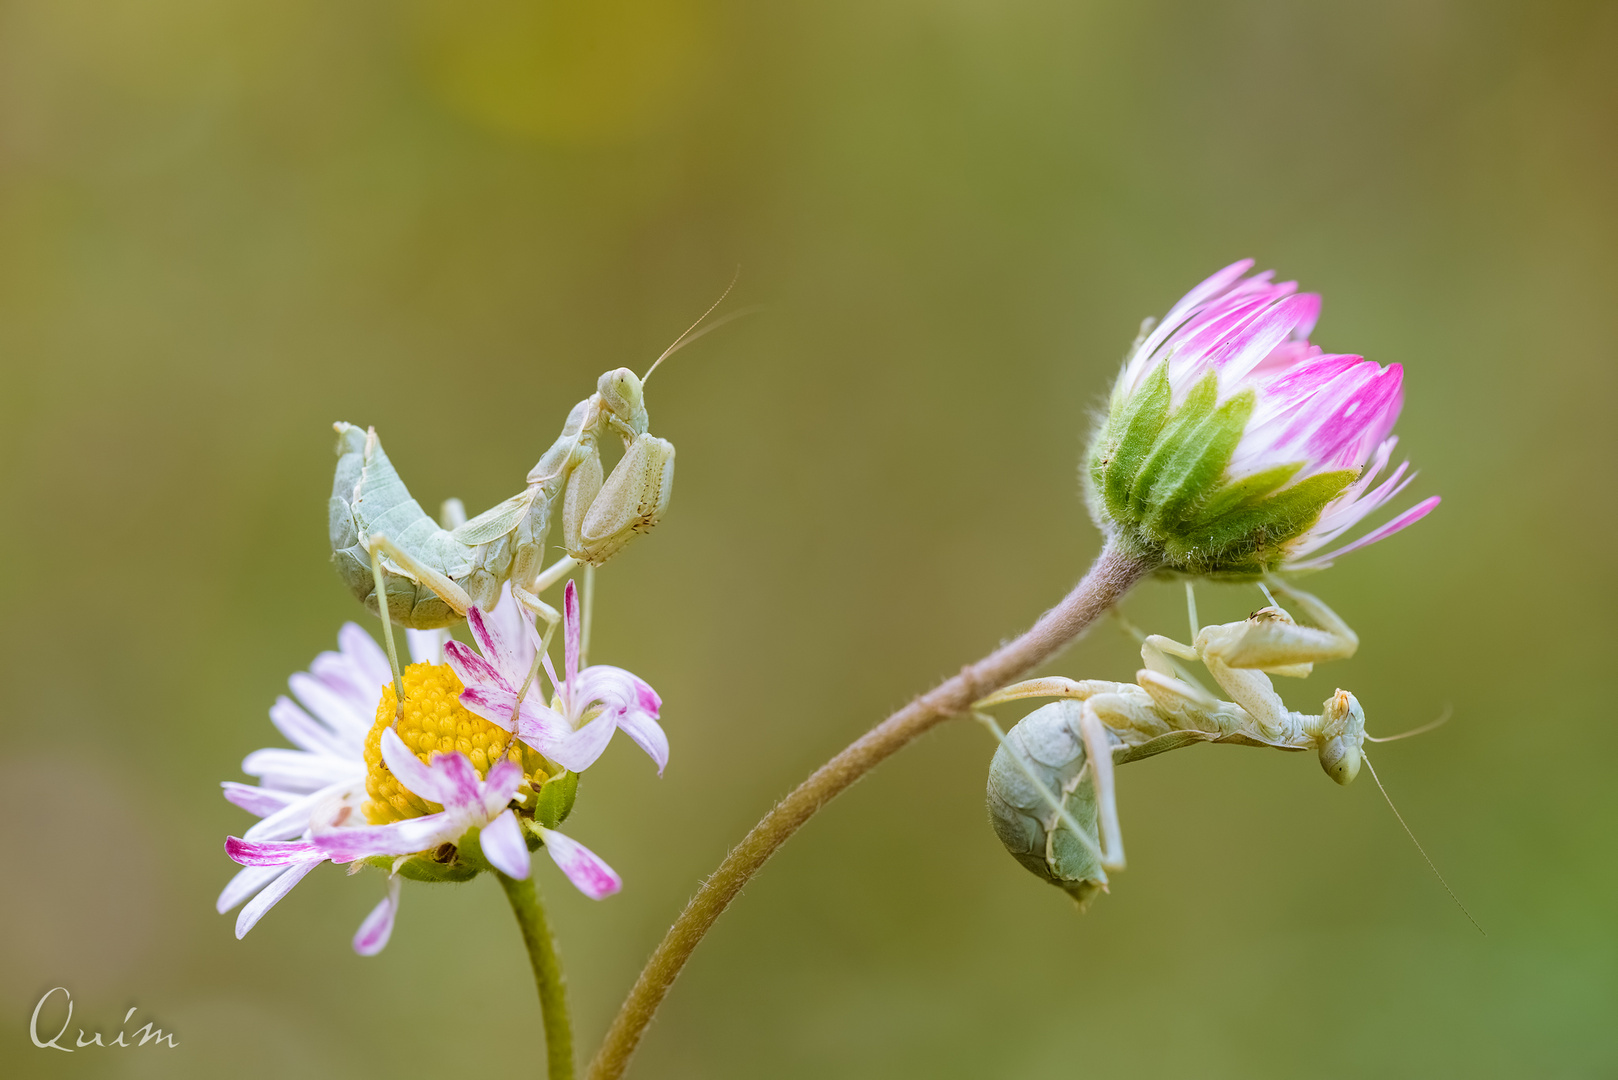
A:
x: 1155, y: 480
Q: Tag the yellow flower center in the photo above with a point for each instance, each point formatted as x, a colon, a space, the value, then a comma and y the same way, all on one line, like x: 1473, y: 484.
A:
x: 434, y: 722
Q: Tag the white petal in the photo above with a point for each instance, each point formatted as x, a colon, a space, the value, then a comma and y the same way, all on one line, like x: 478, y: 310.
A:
x: 405, y: 837
x: 270, y: 896
x: 258, y: 801
x: 305, y: 732
x: 648, y: 735
x: 294, y: 818
x: 504, y: 847
x: 426, y: 647
x: 366, y: 654
x: 572, y: 632
x: 580, y: 750
x: 337, y: 710
x: 248, y: 880
x: 298, y: 770
x: 443, y: 782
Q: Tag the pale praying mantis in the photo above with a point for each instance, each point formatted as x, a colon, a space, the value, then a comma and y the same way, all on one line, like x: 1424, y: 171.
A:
x: 431, y: 572
x: 1055, y: 767
x: 382, y: 542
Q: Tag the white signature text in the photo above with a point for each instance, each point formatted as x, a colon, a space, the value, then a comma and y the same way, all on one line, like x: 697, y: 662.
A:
x: 146, y: 1032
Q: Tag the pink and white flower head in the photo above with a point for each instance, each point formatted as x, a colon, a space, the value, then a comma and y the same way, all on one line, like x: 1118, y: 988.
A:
x: 469, y: 802
x: 310, y: 800
x: 588, y: 707
x: 1232, y: 446
x: 321, y: 784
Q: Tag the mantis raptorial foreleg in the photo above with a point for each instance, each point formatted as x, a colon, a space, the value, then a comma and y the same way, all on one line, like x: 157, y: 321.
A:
x: 1272, y: 641
x: 1242, y: 656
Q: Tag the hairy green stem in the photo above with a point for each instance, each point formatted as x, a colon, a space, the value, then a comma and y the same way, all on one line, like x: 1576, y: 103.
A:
x: 536, y: 934
x: 1112, y: 575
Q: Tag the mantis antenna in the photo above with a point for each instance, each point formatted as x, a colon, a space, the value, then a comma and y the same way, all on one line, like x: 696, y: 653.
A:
x: 1440, y: 722
x: 1367, y: 759
x: 688, y: 337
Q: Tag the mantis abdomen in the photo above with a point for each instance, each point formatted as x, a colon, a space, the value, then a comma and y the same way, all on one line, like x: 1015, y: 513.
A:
x: 368, y: 499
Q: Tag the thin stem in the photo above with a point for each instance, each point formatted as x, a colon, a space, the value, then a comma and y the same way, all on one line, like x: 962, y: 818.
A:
x: 1109, y: 579
x: 536, y: 934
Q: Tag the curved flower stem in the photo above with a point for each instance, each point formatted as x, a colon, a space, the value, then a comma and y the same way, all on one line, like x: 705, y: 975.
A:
x: 536, y: 934
x: 1112, y: 575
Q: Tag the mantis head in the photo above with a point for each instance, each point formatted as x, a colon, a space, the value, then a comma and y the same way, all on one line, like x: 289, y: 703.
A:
x: 1342, y: 734
x: 621, y: 393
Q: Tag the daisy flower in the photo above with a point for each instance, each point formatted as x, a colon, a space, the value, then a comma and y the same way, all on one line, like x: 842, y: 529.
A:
x: 399, y: 787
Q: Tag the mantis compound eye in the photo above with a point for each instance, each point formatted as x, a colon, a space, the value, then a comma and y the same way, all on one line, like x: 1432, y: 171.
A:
x: 621, y: 390
x: 1340, y: 757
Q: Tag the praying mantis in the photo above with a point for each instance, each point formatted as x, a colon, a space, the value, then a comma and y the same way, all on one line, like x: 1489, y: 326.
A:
x: 384, y: 544
x: 425, y: 574
x: 431, y: 573
x: 1055, y: 767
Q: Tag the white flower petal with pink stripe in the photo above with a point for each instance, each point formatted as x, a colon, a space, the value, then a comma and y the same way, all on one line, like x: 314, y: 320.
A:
x: 583, y: 867
x: 589, y: 706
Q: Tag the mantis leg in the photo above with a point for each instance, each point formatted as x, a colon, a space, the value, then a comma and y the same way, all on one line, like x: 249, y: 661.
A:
x: 1254, y: 692
x: 449, y: 592
x: 1155, y: 650
x: 387, y: 634
x: 1327, y: 621
x: 528, y: 581
x: 1055, y: 686
x: 1186, y: 707
x: 533, y: 603
x: 1271, y: 641
x: 553, y: 573
x: 1098, y: 755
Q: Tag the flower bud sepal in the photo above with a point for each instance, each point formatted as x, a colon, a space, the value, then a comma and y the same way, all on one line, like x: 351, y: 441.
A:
x: 445, y: 864
x: 1156, y: 482
x: 554, y: 800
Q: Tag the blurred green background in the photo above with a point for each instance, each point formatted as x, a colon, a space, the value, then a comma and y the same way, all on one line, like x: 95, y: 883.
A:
x: 225, y: 224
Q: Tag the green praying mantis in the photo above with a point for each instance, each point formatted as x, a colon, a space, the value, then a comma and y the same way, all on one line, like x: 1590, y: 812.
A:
x: 431, y: 573
x: 384, y: 544
x: 1051, y: 793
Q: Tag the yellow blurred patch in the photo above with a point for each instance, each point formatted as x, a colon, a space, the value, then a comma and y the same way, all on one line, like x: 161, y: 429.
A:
x: 565, y: 70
